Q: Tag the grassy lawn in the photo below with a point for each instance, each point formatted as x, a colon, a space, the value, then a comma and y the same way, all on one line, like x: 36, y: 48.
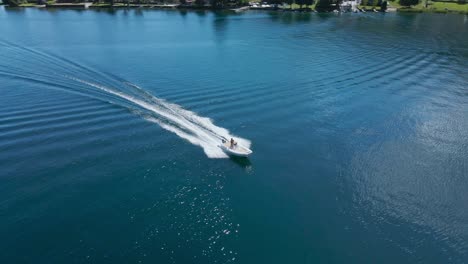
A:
x: 432, y: 7
x: 296, y: 6
x: 369, y: 7
x: 374, y: 5
x: 394, y: 3
x: 442, y: 6
x: 101, y: 5
x: 120, y: 4
x: 27, y: 5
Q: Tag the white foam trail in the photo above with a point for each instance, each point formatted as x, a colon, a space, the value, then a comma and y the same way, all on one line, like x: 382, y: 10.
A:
x: 186, y: 124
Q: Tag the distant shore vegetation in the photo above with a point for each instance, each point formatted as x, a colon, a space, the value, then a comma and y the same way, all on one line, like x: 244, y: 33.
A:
x: 438, y: 6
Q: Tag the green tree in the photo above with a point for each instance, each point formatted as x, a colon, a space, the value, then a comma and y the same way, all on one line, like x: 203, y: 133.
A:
x: 290, y: 3
x: 13, y: 2
x: 218, y: 4
x: 325, y: 5
x: 275, y: 3
x: 199, y: 3
x: 408, y: 2
x: 300, y: 3
x: 308, y: 3
x: 383, y: 6
x: 242, y: 2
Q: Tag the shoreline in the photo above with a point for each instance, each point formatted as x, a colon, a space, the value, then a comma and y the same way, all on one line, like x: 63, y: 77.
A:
x: 238, y: 9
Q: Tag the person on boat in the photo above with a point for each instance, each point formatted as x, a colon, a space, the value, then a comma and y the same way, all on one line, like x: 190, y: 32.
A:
x: 233, y: 143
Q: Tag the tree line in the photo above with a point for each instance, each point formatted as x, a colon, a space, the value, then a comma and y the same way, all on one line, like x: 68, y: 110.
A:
x: 320, y: 5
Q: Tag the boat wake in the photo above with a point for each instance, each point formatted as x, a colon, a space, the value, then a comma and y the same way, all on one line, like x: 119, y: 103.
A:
x: 63, y: 74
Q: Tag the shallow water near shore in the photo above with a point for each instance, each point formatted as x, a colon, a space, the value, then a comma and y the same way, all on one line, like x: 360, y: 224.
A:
x: 109, y: 122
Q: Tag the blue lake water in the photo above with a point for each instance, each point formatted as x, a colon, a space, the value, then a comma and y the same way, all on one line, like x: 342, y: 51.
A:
x: 109, y: 123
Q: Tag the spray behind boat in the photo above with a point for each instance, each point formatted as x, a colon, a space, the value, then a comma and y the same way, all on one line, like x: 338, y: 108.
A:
x: 55, y: 72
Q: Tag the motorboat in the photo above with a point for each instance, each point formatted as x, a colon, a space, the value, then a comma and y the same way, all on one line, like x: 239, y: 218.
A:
x: 235, y: 150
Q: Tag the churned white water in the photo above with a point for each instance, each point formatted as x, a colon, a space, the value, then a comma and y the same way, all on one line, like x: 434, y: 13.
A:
x: 60, y: 73
x: 186, y: 124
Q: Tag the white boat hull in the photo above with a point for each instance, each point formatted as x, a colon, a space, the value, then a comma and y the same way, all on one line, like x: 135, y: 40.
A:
x: 236, y: 150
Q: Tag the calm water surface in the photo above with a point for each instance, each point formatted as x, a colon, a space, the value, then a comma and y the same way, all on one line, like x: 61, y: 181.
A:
x: 109, y: 125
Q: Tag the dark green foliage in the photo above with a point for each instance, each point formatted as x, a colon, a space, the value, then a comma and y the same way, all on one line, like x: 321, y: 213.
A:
x: 408, y: 2
x: 13, y: 2
x: 218, y: 4
x: 274, y: 2
x: 242, y: 2
x: 383, y: 6
x: 325, y: 5
x: 289, y: 2
x: 182, y: 2
x: 308, y: 2
x: 300, y: 3
x: 199, y: 3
